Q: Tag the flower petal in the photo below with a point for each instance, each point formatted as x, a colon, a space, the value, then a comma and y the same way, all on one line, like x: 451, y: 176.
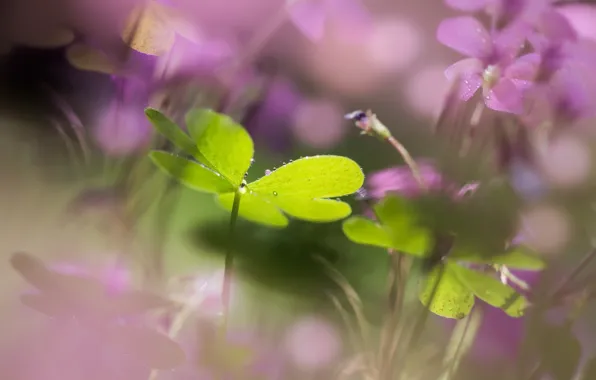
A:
x: 554, y: 26
x: 465, y: 35
x: 509, y: 41
x: 524, y: 70
x: 468, y: 86
x: 505, y: 97
x: 463, y: 67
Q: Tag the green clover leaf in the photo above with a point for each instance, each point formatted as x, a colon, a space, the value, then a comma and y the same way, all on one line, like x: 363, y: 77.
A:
x: 458, y: 286
x: 223, y: 151
x: 451, y: 298
x: 398, y: 228
x: 491, y: 290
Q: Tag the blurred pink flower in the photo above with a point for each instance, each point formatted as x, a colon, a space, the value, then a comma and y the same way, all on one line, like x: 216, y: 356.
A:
x: 271, y: 118
x: 313, y: 343
x: 569, y: 96
x: 400, y: 180
x: 311, y: 16
x: 581, y: 17
x: 503, y: 12
x: 388, y: 33
x: 319, y: 123
x: 193, y: 58
x: 116, y: 277
x: 426, y: 89
x: 122, y: 128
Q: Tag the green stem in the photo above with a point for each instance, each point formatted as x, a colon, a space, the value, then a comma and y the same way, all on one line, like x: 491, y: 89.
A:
x: 229, y: 261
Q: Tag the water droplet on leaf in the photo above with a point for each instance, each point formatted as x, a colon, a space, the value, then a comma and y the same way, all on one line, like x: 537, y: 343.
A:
x: 275, y: 193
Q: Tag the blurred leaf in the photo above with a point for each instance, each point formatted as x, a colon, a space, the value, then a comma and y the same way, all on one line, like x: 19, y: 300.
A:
x: 401, y: 220
x: 147, y: 29
x: 84, y: 57
x: 33, y: 270
x: 364, y: 231
x: 171, y: 131
x: 224, y: 144
x: 191, y: 174
x: 482, y: 223
x: 312, y: 177
x: 559, y: 350
x: 256, y: 209
x: 589, y: 372
x: 452, y: 299
x: 517, y: 258
x: 156, y: 350
x: 491, y: 290
x: 70, y: 287
x: 52, y: 38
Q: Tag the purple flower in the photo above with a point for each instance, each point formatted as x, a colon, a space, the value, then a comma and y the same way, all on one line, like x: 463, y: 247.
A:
x: 271, y: 118
x: 492, y: 64
x: 310, y: 17
x: 400, y: 180
x: 569, y: 96
x: 122, y: 127
x: 503, y: 12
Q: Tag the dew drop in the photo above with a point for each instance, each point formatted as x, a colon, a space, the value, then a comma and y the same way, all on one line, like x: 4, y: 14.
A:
x: 267, y: 172
x: 275, y: 193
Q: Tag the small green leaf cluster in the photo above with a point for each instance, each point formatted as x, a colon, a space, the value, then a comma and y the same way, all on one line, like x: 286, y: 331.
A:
x: 221, y: 152
x: 400, y: 227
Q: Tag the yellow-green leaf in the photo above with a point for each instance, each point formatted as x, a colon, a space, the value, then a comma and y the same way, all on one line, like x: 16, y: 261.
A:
x: 491, y: 290
x: 451, y: 299
x: 312, y: 177
x: 400, y: 219
x: 364, y: 231
x: 225, y: 145
x: 191, y: 174
x: 172, y: 132
x: 313, y: 210
x: 255, y: 208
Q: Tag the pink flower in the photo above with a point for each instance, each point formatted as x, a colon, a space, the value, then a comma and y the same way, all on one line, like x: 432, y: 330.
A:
x: 492, y: 64
x: 503, y: 12
x: 400, y: 180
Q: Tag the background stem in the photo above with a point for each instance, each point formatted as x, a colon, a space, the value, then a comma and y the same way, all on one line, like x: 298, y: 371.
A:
x: 229, y: 263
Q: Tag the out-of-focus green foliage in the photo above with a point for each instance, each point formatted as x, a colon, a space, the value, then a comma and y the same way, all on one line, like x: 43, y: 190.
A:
x: 402, y: 227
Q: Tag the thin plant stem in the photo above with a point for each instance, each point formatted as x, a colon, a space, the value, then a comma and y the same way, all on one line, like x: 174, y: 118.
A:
x: 467, y: 329
x: 401, y: 149
x: 574, y: 273
x: 370, y: 124
x: 418, y: 327
x: 229, y: 262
